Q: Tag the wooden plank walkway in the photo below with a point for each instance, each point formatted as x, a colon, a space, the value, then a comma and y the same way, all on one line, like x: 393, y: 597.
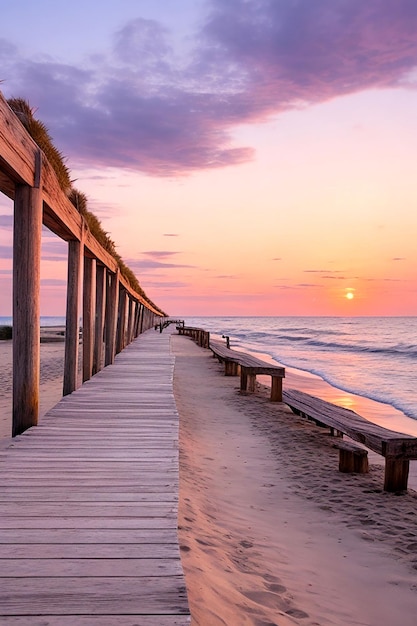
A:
x: 88, y: 503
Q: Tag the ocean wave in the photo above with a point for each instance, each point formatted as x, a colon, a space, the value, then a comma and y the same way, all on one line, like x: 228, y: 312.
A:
x: 409, y: 351
x: 378, y: 395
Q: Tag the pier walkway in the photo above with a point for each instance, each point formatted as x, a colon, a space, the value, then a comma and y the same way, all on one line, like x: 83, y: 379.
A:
x: 88, y: 503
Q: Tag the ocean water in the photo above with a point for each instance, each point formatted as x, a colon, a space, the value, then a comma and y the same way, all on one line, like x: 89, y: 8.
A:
x: 373, y: 357
x: 45, y: 321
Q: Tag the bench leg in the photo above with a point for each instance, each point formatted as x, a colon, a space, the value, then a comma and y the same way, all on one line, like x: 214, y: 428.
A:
x: 251, y: 384
x: 396, y: 474
x: 230, y: 369
x: 353, y: 461
x: 276, y: 389
x: 243, y: 379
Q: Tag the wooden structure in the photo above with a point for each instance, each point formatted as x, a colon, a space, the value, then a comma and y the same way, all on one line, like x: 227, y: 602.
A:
x: 113, y: 313
x: 249, y: 367
x: 164, y: 323
x: 352, y: 458
x: 397, y: 448
x: 88, y: 503
x: 199, y: 335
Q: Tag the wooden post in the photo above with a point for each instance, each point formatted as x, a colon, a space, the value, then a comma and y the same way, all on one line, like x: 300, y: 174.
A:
x: 130, y: 320
x: 137, y: 319
x: 89, y: 316
x: 251, y: 384
x: 112, y: 300
x: 121, y: 321
x: 140, y: 319
x: 101, y: 278
x: 231, y: 369
x: 75, y: 255
x: 276, y: 389
x: 396, y: 474
x: 243, y: 379
x: 26, y: 302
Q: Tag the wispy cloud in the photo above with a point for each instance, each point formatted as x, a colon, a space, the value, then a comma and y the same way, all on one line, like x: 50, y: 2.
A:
x: 6, y: 252
x: 159, y: 254
x: 53, y: 282
x: 141, y: 265
x: 140, y: 106
x: 6, y: 222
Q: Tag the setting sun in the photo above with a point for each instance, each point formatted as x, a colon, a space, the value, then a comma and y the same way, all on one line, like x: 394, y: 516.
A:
x: 350, y: 295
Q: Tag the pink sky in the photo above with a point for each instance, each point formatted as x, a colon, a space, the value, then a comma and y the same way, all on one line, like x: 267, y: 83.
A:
x: 248, y: 158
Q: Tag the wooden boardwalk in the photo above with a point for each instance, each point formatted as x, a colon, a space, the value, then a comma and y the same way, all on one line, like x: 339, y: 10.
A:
x: 88, y: 503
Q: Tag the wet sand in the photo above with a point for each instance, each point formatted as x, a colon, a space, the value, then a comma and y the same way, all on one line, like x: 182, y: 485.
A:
x: 270, y: 531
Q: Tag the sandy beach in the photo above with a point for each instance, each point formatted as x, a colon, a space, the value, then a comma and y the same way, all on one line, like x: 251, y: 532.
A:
x: 271, y: 533
x: 51, y: 376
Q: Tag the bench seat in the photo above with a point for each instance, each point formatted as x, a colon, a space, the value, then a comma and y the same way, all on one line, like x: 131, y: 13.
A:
x: 200, y: 336
x: 249, y: 367
x: 397, y: 448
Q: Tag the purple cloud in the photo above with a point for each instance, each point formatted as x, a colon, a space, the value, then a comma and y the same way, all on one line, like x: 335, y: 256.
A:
x: 54, y: 250
x: 141, y: 265
x: 143, y: 108
x: 159, y: 254
x: 6, y: 222
x: 53, y: 282
x: 6, y: 252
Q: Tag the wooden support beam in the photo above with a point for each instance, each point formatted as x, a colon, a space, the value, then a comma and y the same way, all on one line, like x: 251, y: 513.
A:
x: 276, y: 388
x: 121, y: 321
x: 396, y: 474
x: 75, y: 259
x: 251, y: 382
x: 101, y: 278
x: 110, y: 331
x: 141, y: 316
x: 26, y: 303
x: 137, y: 320
x: 130, y: 320
x: 352, y: 458
x: 89, y: 316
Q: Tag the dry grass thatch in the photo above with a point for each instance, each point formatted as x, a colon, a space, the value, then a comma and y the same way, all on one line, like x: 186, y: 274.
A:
x: 41, y: 136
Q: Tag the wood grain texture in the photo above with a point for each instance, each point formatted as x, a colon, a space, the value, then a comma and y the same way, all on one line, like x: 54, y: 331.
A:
x: 89, y: 502
x: 397, y: 448
x: 27, y: 234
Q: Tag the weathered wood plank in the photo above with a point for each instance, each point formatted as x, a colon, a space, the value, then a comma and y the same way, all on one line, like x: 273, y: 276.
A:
x: 18, y: 568
x: 382, y: 440
x: 98, y: 620
x: 89, y: 502
x: 93, y: 596
x: 397, y: 448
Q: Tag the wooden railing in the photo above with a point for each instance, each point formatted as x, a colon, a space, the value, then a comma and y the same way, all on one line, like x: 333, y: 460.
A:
x: 113, y: 312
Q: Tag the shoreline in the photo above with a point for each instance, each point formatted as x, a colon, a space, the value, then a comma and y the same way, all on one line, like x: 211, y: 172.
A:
x: 270, y: 531
x: 381, y: 413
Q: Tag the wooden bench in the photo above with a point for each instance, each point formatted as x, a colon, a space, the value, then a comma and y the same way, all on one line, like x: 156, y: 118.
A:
x: 248, y: 366
x: 200, y: 336
x: 397, y: 448
x: 165, y: 323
